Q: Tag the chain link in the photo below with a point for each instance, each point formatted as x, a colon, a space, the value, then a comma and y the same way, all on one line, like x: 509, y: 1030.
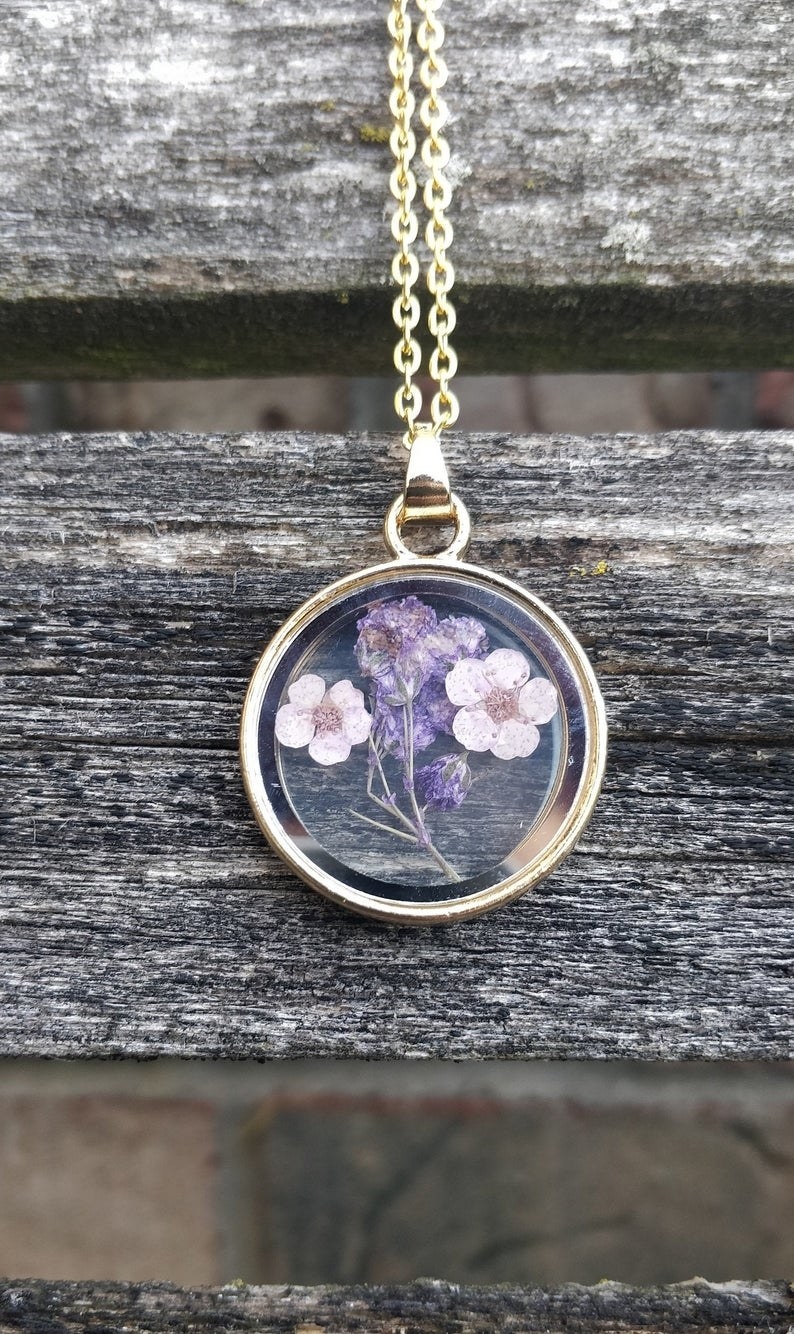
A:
x: 436, y: 195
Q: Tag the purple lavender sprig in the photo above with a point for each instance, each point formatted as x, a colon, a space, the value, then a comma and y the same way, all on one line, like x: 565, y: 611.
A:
x: 407, y: 652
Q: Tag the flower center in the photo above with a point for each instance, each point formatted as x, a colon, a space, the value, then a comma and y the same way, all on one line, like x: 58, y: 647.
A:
x: 501, y: 705
x: 327, y: 718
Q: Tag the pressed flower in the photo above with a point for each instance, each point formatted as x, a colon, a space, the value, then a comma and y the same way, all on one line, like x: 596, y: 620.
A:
x: 456, y: 637
x: 444, y: 783
x: 388, y: 643
x: 402, y: 644
x: 499, y: 708
x: 389, y: 721
x: 407, y: 651
x: 329, y: 722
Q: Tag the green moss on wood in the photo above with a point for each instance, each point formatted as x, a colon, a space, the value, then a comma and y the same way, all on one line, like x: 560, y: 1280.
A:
x: 374, y: 134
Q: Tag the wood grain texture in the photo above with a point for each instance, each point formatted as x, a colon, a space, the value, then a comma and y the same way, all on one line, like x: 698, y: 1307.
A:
x: 425, y: 1307
x: 197, y: 187
x: 141, y: 912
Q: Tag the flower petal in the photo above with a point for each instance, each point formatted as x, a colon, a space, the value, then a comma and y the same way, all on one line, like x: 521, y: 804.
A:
x: 465, y: 683
x: 307, y: 691
x: 294, y: 726
x: 356, y: 723
x: 515, y: 738
x: 345, y: 695
x: 329, y: 748
x: 506, y: 669
x: 474, y: 729
x: 537, y: 700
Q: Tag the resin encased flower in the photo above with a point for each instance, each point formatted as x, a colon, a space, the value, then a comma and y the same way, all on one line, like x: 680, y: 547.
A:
x: 389, y: 645
x: 330, y: 722
x: 500, y: 708
x: 444, y: 783
x: 406, y: 650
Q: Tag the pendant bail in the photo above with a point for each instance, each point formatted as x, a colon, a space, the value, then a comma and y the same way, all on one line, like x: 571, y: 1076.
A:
x: 426, y: 498
x: 426, y: 494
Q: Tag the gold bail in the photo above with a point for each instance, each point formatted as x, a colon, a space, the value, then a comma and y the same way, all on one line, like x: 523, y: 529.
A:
x: 426, y: 495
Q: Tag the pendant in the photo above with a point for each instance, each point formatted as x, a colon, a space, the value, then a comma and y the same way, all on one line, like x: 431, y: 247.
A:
x: 424, y: 740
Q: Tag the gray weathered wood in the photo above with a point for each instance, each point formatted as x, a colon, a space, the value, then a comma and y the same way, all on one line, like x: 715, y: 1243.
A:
x: 198, y: 187
x: 425, y: 1307
x: 141, y: 911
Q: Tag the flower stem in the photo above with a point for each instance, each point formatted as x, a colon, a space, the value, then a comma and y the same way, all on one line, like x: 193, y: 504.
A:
x: 396, y: 812
x: 387, y: 829
x: 423, y: 833
x: 390, y: 804
x: 383, y: 777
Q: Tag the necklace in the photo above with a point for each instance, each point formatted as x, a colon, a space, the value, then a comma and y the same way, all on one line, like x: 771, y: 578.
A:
x: 423, y: 740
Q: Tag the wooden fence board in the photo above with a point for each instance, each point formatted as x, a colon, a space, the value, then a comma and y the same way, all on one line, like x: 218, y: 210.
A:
x: 141, y: 912
x: 200, y: 187
x: 425, y: 1307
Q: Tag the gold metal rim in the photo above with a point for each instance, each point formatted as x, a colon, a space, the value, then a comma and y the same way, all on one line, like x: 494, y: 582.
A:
x: 449, y: 911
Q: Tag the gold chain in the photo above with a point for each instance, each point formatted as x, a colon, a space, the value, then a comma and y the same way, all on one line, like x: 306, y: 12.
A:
x: 437, y: 194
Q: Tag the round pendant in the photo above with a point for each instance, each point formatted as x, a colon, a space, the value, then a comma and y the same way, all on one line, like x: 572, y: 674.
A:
x: 423, y: 741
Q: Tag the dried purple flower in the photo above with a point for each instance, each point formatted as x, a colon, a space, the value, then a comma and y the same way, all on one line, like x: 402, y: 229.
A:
x: 407, y: 652
x: 444, y: 783
x: 434, y: 707
x: 454, y: 638
x: 388, y: 644
x: 389, y: 724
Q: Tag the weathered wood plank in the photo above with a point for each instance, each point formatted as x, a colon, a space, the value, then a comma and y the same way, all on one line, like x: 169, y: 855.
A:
x: 141, y: 911
x: 194, y: 187
x: 425, y: 1307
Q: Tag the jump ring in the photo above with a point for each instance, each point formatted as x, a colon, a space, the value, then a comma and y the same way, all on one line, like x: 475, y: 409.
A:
x: 392, y: 533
